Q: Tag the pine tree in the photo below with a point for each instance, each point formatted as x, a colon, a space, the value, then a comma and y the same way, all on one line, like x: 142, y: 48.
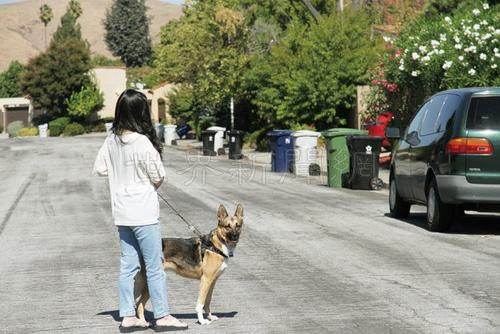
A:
x: 127, y: 32
x: 69, y: 27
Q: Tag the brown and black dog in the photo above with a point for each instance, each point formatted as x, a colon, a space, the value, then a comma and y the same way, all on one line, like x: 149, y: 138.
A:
x: 203, y: 258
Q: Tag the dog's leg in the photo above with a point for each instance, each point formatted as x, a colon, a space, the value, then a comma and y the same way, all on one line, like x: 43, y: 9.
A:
x: 205, y: 284
x: 210, y: 316
x: 141, y: 304
x: 141, y: 293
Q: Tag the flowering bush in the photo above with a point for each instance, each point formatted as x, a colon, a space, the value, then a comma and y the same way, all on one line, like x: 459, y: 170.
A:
x: 460, y: 50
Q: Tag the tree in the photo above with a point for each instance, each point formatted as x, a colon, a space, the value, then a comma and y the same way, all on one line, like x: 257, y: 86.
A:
x: 46, y: 16
x: 9, y: 80
x: 52, y: 77
x: 75, y: 8
x: 84, y: 103
x: 69, y: 27
x: 127, y: 32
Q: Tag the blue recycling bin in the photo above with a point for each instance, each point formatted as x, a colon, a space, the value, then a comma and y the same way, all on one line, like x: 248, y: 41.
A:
x: 282, y: 150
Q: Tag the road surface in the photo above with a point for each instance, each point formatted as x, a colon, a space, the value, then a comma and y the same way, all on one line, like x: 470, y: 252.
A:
x: 310, y: 260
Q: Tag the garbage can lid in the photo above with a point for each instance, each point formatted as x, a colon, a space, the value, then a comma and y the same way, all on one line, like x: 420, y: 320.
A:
x: 216, y: 128
x: 208, y: 132
x: 279, y: 133
x: 306, y: 133
x: 335, y: 132
x: 170, y: 126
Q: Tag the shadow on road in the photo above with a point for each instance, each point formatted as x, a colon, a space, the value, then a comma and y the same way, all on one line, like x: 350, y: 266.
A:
x: 115, y: 314
x: 470, y: 224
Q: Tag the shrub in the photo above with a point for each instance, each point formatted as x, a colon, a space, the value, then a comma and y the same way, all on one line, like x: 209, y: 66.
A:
x: 57, y: 126
x: 27, y: 132
x: 88, y: 100
x: 73, y: 129
x: 99, y: 128
x: 14, y: 127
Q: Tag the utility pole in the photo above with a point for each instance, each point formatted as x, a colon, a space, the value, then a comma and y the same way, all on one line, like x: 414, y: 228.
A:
x: 232, y: 113
x: 340, y: 5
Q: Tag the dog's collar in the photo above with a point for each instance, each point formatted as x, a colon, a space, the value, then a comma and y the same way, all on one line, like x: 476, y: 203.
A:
x: 207, y: 244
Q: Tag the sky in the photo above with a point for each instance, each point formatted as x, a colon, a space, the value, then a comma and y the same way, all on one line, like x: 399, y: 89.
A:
x: 11, y: 1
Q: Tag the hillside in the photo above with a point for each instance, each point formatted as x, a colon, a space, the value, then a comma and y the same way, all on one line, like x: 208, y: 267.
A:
x: 22, y: 32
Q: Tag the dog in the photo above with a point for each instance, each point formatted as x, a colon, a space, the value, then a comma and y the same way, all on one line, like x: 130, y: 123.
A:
x: 204, y: 258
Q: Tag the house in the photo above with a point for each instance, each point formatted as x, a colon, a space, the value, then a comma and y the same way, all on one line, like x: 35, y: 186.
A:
x: 158, y: 102
x: 16, y: 109
x: 112, y: 81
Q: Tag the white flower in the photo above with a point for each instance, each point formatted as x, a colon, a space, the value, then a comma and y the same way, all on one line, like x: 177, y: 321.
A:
x: 476, y: 26
x: 447, y: 19
x: 425, y: 59
x: 423, y: 49
x: 497, y: 31
x: 447, y: 64
x: 458, y: 46
x: 415, y: 55
x: 482, y: 56
x: 486, y: 36
x: 494, y: 66
x: 414, y: 74
x: 472, y: 71
x: 442, y: 37
x: 402, y: 61
x: 441, y: 52
x: 387, y: 39
x: 457, y: 40
x: 495, y: 50
x: 476, y: 12
x: 401, y: 67
x: 486, y: 6
x: 460, y: 58
x: 484, y: 22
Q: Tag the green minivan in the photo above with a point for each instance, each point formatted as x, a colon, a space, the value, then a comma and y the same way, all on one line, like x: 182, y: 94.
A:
x: 449, y: 157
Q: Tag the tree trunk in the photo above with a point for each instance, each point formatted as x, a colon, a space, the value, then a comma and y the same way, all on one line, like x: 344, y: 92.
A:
x: 340, y: 5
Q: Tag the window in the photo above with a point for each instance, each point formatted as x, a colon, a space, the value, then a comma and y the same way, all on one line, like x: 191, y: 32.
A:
x: 415, y: 123
x: 433, y: 110
x: 484, y: 113
x: 447, y: 112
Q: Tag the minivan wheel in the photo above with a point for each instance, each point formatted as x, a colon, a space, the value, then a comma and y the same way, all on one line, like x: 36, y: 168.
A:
x: 439, y: 214
x: 398, y: 207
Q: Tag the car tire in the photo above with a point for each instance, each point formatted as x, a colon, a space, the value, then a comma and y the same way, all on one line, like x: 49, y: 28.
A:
x: 439, y: 214
x: 398, y: 207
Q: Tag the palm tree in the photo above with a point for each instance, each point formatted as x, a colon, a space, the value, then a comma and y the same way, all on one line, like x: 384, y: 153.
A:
x: 75, y: 8
x: 46, y: 16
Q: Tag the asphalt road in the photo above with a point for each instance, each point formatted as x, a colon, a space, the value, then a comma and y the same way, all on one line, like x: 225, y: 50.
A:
x: 310, y: 260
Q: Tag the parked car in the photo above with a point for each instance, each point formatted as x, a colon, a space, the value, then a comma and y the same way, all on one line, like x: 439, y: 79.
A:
x: 449, y: 157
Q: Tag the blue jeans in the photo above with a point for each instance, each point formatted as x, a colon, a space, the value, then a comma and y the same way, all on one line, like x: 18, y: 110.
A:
x: 145, y: 241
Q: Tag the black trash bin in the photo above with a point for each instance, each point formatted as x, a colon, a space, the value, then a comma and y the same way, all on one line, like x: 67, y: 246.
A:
x: 208, y: 138
x: 364, y: 152
x: 235, y: 143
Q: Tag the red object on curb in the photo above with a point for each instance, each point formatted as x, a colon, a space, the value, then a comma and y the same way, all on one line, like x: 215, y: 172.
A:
x: 378, y: 129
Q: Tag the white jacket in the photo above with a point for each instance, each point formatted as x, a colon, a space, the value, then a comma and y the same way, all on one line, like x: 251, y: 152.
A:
x: 133, y: 166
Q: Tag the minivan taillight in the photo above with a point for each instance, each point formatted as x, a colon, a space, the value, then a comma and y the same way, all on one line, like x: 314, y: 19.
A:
x: 469, y: 146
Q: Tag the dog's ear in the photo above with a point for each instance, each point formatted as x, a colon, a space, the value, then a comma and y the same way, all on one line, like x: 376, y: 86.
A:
x: 239, y: 211
x: 222, y: 213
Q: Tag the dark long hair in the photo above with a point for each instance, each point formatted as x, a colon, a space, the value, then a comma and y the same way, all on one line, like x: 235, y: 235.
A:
x: 132, y: 113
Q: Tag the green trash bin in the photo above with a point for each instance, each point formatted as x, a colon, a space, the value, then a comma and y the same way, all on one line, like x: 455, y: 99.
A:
x: 338, y: 155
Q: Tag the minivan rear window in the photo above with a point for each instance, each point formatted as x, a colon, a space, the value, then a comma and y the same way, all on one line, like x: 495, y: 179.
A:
x: 484, y: 113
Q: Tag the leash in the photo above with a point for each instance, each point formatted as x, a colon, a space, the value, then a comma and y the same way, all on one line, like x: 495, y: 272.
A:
x: 191, y: 227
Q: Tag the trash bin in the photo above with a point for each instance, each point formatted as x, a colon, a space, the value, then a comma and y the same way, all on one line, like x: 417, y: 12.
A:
x: 364, y: 152
x: 42, y: 130
x: 169, y: 134
x: 183, y: 130
x: 218, y: 139
x: 208, y: 138
x: 305, y: 159
x: 338, y: 155
x: 281, y: 150
x: 235, y: 143
x: 159, y: 131
x: 108, y: 127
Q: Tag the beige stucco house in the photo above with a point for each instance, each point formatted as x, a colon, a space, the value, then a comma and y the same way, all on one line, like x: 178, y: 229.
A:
x: 112, y: 81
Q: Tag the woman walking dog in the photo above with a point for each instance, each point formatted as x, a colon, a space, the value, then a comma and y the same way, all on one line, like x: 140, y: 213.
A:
x: 131, y: 159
